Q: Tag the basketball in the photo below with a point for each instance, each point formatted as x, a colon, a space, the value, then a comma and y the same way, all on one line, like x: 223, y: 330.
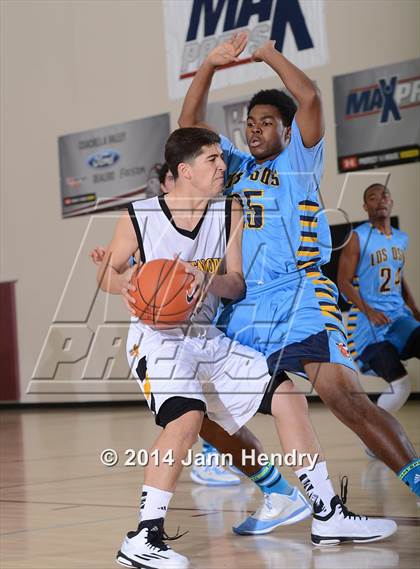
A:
x: 161, y: 292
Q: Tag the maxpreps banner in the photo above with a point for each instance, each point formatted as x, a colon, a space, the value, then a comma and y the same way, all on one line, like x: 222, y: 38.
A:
x: 194, y: 27
x: 377, y: 115
x: 110, y: 166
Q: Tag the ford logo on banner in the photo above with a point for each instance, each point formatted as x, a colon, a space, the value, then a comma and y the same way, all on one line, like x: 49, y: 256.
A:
x: 103, y: 159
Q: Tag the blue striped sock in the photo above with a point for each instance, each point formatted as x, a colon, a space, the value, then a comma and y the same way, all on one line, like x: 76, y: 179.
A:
x: 410, y: 475
x: 269, y: 480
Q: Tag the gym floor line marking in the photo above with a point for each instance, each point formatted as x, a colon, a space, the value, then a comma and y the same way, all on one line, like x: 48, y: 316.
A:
x: 401, y: 520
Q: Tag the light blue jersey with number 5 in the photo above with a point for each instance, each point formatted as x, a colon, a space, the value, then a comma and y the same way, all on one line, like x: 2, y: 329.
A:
x: 285, y: 228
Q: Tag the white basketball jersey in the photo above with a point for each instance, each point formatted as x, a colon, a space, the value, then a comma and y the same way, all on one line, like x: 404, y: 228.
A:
x: 204, y: 247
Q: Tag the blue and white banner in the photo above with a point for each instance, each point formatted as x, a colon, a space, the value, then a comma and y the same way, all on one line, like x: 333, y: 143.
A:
x: 377, y: 115
x: 194, y: 27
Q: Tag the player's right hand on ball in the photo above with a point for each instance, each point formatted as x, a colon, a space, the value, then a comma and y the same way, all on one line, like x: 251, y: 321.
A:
x: 228, y: 52
x: 126, y: 287
x: 377, y: 317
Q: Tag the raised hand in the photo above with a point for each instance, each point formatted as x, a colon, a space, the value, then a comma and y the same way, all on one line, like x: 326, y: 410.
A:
x: 228, y: 52
x: 260, y: 53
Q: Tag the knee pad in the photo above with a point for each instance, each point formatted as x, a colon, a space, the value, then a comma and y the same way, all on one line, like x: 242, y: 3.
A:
x: 276, y: 380
x: 383, y: 358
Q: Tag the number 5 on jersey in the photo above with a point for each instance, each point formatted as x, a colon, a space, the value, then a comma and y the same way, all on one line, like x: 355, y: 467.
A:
x: 254, y: 211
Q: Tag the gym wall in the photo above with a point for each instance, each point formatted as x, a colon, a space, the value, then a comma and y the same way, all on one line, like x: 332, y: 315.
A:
x: 70, y: 66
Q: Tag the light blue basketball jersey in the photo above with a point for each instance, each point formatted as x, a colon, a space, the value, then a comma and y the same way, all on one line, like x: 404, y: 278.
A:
x: 285, y: 228
x: 380, y: 269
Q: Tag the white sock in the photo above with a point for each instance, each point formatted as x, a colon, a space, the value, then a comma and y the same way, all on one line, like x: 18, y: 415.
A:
x: 396, y: 395
x: 154, y: 503
x: 317, y: 484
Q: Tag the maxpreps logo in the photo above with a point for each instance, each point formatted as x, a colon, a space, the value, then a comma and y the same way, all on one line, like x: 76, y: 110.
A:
x: 103, y: 159
x: 213, y: 21
x: 387, y: 98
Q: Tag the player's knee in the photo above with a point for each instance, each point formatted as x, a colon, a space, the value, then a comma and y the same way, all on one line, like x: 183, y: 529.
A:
x: 186, y: 427
x: 350, y: 406
x: 286, y: 399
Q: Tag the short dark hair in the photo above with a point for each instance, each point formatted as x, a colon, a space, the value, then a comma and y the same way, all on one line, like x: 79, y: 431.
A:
x: 279, y: 99
x: 163, y: 170
x: 369, y: 188
x: 185, y: 144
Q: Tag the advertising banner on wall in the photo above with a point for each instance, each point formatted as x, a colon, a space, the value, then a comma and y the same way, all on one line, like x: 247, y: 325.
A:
x: 108, y: 167
x: 377, y: 115
x: 194, y: 27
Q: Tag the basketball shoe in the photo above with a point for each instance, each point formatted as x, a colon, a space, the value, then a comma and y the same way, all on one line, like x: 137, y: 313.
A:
x: 277, y: 510
x: 339, y: 525
x: 145, y: 548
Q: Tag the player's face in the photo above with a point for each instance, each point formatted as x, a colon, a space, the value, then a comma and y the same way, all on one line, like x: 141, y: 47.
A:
x: 207, y: 171
x: 266, y: 134
x: 153, y: 186
x: 378, y: 202
x: 169, y: 183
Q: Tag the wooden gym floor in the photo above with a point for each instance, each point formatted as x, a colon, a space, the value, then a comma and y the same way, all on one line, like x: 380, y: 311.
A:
x: 62, y: 509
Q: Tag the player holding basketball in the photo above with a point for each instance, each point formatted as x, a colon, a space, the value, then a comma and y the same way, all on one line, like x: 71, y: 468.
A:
x: 383, y: 326
x: 293, y: 307
x: 187, y: 371
x: 211, y: 473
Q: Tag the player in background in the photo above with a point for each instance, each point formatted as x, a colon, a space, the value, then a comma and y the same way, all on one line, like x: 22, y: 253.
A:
x: 297, y: 323
x: 383, y: 324
x: 211, y: 473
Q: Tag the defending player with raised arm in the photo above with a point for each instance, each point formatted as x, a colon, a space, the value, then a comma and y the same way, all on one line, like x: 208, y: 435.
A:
x: 383, y: 326
x: 286, y: 242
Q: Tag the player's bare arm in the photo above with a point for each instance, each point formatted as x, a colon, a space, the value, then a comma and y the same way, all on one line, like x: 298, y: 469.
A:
x: 348, y: 262
x: 194, y: 108
x: 309, y: 116
x: 231, y: 284
x: 98, y: 253
x: 409, y: 299
x: 113, y: 276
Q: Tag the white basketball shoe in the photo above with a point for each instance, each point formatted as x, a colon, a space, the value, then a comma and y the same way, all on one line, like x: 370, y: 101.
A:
x: 339, y: 525
x: 145, y: 548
